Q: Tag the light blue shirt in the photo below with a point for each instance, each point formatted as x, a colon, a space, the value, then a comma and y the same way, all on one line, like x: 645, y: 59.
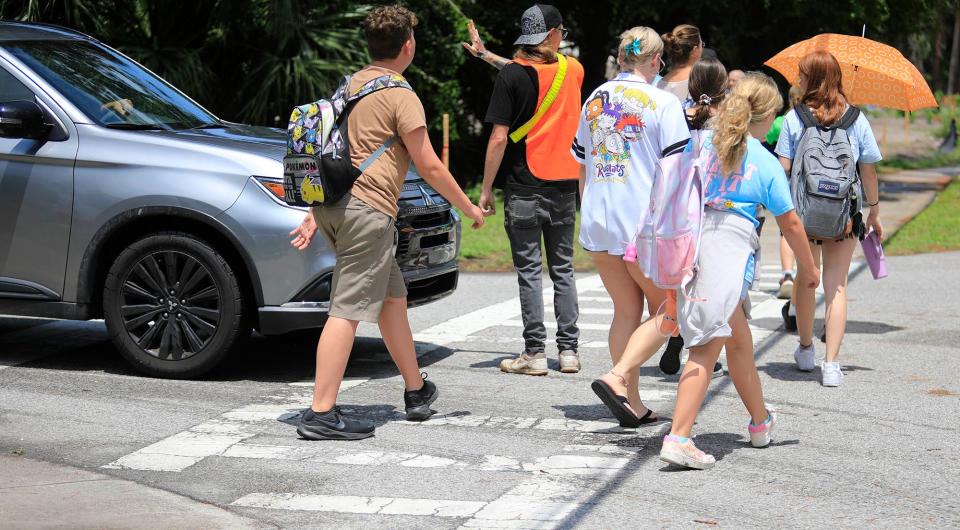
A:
x: 862, y: 141
x: 759, y: 181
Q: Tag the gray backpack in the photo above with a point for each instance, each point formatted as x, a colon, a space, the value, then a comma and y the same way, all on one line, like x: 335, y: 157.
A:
x: 824, y: 180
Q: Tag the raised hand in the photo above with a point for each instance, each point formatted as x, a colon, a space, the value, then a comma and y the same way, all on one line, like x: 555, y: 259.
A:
x: 475, y: 46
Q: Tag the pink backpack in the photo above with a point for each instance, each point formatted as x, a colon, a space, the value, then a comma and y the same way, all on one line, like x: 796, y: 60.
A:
x: 667, y: 243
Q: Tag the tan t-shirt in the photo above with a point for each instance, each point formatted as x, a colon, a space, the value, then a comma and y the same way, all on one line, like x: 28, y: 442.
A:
x: 374, y: 120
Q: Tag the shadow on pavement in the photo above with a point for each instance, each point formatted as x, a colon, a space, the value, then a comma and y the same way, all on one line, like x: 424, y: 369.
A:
x: 858, y: 327
x: 86, y: 347
x: 378, y: 414
x: 788, y: 371
x: 598, y: 411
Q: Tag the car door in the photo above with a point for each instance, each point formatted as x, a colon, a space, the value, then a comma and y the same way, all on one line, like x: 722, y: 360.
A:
x: 36, y: 198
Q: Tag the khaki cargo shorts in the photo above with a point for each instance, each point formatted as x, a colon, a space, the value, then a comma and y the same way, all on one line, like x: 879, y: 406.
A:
x: 366, y: 272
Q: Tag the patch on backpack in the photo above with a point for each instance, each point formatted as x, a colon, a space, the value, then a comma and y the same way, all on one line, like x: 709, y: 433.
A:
x: 828, y: 187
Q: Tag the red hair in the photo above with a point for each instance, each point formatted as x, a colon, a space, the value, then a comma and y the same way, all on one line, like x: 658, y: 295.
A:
x: 824, y: 87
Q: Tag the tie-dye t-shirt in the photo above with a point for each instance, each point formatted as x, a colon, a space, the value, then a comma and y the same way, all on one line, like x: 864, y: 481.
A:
x: 760, y: 180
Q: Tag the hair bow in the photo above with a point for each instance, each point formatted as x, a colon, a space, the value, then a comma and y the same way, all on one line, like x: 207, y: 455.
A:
x: 634, y: 48
x: 705, y: 99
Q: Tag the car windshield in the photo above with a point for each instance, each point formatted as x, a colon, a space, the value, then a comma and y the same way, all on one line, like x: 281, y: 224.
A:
x: 108, y: 88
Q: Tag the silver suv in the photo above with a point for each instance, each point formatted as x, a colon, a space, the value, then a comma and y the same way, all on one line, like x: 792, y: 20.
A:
x: 122, y: 199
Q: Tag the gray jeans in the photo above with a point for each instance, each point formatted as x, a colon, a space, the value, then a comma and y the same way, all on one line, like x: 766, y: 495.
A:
x: 529, y: 215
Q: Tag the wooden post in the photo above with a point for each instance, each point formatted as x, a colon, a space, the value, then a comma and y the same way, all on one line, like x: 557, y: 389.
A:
x: 445, y: 153
x: 883, y: 135
x: 906, y: 127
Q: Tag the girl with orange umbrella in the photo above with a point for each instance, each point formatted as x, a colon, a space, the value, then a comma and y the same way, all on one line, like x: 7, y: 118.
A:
x: 820, y: 80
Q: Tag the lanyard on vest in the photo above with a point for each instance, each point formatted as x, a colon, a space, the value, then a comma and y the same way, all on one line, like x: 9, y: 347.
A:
x: 547, y: 102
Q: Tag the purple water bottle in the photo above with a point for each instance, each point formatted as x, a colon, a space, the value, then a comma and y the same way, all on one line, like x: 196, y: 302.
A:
x: 873, y: 251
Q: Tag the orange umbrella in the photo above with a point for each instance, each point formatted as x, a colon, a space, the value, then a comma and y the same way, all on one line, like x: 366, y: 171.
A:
x: 873, y: 73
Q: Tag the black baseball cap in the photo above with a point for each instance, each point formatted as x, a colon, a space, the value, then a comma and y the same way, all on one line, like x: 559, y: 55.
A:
x: 536, y: 23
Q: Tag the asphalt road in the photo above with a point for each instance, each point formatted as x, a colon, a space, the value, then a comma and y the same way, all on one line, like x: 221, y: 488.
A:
x: 508, y: 451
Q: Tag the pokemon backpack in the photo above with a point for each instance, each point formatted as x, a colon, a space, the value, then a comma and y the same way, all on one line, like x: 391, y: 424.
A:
x: 317, y: 169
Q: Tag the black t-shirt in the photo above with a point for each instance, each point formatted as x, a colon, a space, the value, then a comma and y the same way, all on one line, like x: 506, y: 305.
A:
x: 513, y: 103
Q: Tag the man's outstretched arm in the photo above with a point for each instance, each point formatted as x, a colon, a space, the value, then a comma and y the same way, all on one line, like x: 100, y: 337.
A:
x: 478, y: 50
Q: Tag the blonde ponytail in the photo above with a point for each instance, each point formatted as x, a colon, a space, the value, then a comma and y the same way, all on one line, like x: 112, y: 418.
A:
x: 754, y: 99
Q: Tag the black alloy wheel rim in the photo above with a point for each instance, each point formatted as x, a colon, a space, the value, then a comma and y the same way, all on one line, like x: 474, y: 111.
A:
x: 170, y: 305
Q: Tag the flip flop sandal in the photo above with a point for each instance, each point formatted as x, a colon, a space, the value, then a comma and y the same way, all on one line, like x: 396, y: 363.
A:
x: 617, y: 405
x: 644, y: 420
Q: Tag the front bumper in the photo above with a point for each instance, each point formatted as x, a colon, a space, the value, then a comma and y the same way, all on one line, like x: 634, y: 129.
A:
x: 423, y: 286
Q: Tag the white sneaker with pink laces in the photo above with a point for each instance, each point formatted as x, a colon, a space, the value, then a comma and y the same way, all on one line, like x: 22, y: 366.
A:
x: 681, y: 452
x: 760, y: 434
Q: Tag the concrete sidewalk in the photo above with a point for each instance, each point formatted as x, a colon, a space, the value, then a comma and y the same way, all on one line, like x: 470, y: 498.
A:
x: 36, y: 494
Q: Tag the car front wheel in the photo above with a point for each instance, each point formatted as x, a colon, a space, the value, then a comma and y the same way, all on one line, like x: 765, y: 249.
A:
x: 173, y: 305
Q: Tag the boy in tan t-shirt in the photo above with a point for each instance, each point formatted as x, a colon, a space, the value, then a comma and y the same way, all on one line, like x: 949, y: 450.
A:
x: 367, y: 284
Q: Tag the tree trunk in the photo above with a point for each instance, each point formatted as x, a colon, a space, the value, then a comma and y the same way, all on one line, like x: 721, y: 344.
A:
x: 595, y: 44
x: 954, y: 53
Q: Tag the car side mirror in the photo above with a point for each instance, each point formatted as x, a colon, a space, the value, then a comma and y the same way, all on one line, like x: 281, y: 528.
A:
x: 22, y: 119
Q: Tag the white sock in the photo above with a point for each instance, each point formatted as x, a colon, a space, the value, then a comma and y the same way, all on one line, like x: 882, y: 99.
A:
x: 792, y: 311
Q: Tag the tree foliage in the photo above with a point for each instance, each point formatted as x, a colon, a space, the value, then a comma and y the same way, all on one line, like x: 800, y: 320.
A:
x: 253, y: 60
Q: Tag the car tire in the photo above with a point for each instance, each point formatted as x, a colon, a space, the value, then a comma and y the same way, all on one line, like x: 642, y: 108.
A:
x: 173, y: 306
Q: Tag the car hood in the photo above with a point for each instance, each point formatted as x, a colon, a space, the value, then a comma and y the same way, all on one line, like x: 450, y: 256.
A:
x: 263, y: 141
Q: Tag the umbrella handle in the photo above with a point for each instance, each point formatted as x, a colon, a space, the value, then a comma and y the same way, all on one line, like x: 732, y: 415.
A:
x: 853, y: 82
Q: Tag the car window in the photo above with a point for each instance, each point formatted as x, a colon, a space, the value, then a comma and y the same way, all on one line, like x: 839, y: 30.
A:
x: 11, y: 89
x: 107, y: 87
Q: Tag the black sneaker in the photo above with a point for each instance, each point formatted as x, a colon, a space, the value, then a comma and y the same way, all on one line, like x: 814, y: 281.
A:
x: 418, y: 401
x: 717, y: 370
x: 789, y: 322
x: 670, y: 360
x: 332, y: 425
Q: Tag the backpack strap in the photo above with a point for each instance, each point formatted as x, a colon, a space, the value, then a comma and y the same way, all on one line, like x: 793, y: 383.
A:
x: 547, y: 102
x: 849, y: 118
x: 809, y: 120
x: 375, y: 85
x: 806, y: 116
x: 376, y: 154
x: 379, y: 83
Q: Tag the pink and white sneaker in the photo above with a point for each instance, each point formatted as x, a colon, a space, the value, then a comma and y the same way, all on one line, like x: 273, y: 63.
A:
x: 683, y: 453
x: 760, y: 434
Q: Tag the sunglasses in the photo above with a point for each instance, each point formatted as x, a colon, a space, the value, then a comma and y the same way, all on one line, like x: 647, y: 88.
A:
x: 563, y: 32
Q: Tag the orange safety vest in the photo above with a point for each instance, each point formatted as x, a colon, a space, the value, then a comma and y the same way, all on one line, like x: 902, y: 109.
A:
x: 549, y: 141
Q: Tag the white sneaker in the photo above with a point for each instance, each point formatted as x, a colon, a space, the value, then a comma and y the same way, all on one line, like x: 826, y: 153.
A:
x: 760, y: 434
x: 830, y: 374
x: 785, y: 292
x: 525, y: 364
x: 804, y: 358
x: 685, y: 454
x: 569, y: 362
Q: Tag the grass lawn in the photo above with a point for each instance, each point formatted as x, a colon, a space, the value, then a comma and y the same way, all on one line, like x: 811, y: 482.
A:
x: 936, y: 229
x: 935, y: 159
x: 488, y: 249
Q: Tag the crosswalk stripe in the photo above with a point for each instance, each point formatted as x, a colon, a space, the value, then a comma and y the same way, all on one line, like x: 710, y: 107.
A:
x: 553, y: 325
x: 562, y: 464
x: 458, y: 328
x: 518, y: 342
x: 366, y: 505
x: 586, y: 310
x: 536, y: 503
